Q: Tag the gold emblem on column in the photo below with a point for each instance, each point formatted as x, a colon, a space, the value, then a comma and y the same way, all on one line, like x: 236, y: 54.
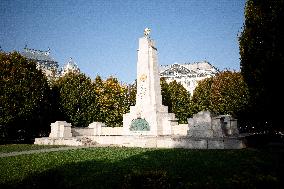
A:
x: 143, y: 77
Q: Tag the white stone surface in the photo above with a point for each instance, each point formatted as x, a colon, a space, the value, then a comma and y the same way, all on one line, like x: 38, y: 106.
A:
x: 97, y: 126
x: 148, y: 98
x: 60, y: 129
x: 58, y: 141
x: 203, y: 124
x: 82, y: 131
x: 100, y: 129
x: 180, y: 129
x: 200, y: 125
x: 112, y: 131
x: 148, y: 142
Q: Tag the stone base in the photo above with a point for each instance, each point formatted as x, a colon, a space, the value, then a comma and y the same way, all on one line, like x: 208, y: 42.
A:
x: 159, y: 120
x: 72, y: 141
x: 148, y: 142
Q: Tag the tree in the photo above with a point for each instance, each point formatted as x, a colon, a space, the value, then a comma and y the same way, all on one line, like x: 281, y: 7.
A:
x: 76, y: 99
x: 166, y: 96
x: 99, y: 92
x: 225, y: 93
x: 177, y: 98
x: 201, y: 96
x: 180, y: 101
x: 229, y: 93
x: 113, y: 102
x: 262, y: 57
x: 24, y: 96
x: 131, y: 94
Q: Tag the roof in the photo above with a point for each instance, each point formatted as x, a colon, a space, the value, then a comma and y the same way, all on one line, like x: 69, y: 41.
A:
x: 37, y: 55
x: 71, y: 65
x: 192, y: 67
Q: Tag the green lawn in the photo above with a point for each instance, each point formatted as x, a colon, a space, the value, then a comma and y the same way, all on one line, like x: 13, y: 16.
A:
x: 144, y: 168
x: 23, y: 147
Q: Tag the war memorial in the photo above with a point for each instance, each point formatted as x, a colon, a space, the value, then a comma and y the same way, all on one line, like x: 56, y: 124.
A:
x: 149, y: 124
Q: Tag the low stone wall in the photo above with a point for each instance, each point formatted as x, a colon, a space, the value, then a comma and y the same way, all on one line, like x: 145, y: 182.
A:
x: 202, y: 132
x: 180, y: 129
x: 203, y: 124
x: 148, y: 142
x: 77, y: 131
x: 58, y: 141
x: 60, y: 129
x: 105, y: 131
x: 109, y: 131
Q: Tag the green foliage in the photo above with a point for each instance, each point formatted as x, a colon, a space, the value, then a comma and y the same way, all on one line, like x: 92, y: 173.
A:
x: 25, y: 147
x: 24, y: 96
x: 99, y: 92
x: 229, y: 93
x: 177, y: 98
x: 143, y: 168
x: 262, y: 56
x: 132, y: 90
x: 113, y: 102
x: 225, y: 93
x: 77, y: 100
x: 180, y: 101
x: 201, y: 95
x: 166, y: 96
x: 82, y: 101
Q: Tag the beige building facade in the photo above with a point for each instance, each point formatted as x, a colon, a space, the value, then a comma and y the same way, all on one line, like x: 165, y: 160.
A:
x: 188, y: 74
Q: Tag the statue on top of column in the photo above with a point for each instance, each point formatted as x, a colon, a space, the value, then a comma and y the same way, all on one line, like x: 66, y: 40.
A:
x: 147, y: 32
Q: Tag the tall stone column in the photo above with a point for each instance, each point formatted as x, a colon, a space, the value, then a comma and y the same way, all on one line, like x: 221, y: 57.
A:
x: 148, y: 80
x: 148, y: 116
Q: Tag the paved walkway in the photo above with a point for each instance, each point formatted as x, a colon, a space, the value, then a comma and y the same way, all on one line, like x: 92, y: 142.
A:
x: 8, y: 154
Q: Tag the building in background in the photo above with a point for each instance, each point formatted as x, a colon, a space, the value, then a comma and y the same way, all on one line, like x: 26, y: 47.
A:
x: 44, y: 61
x: 70, y: 66
x: 48, y: 65
x: 188, y: 74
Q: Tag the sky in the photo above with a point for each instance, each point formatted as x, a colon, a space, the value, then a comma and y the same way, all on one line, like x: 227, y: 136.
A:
x: 102, y: 36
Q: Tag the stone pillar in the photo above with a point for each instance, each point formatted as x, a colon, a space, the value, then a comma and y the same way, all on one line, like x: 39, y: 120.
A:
x: 97, y: 126
x: 60, y: 129
x: 225, y: 125
x: 148, y: 116
x: 230, y: 125
x: 200, y: 126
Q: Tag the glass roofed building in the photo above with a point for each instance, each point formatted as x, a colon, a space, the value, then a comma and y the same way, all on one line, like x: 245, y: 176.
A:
x: 188, y: 74
x: 44, y: 61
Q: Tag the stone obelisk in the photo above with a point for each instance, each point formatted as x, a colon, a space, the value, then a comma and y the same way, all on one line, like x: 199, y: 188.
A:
x: 148, y: 116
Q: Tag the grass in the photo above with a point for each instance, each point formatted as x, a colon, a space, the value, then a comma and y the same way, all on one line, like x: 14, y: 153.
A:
x: 144, y: 168
x: 23, y: 147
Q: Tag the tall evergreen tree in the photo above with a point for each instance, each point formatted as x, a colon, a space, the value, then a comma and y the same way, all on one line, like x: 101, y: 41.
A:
x: 262, y: 58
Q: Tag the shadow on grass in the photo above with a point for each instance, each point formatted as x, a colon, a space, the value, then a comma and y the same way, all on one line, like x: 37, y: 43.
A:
x: 167, y: 168
x: 261, y: 141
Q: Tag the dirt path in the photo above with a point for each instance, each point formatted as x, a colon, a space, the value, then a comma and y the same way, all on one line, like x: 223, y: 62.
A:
x: 8, y: 154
